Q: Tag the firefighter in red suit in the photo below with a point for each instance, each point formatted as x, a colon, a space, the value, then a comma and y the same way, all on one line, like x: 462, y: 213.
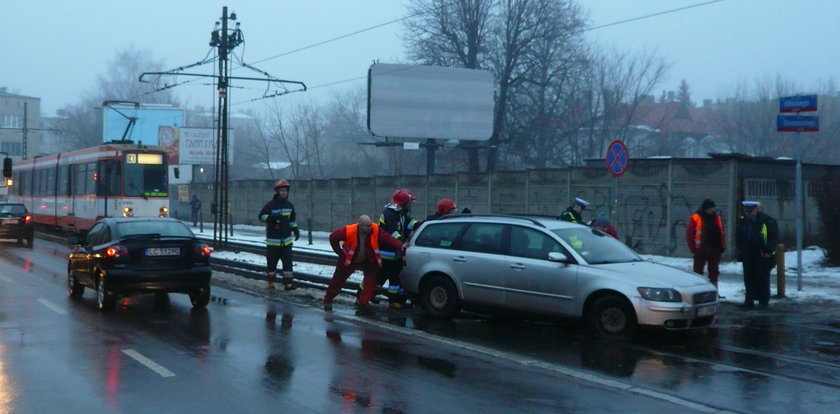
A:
x: 706, y: 239
x: 358, y: 248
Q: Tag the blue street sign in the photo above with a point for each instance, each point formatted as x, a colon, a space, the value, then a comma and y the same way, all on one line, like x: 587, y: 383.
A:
x: 617, y: 158
x: 803, y: 103
x: 797, y: 123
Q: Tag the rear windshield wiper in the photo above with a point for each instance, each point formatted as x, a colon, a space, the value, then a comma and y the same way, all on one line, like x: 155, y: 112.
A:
x: 141, y: 236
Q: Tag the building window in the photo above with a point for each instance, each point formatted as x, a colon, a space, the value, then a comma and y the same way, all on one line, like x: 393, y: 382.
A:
x: 12, y: 121
x: 11, y: 148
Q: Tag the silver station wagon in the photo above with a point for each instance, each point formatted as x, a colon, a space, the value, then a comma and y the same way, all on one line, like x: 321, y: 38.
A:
x: 552, y: 268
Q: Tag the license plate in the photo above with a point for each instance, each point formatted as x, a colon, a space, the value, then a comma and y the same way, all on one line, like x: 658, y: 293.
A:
x: 706, y: 311
x: 11, y: 221
x: 163, y: 251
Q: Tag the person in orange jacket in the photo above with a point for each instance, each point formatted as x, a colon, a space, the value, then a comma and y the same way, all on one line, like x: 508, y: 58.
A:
x: 358, y: 248
x: 706, y: 239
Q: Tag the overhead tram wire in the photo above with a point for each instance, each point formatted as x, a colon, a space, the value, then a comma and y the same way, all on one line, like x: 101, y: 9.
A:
x: 588, y: 29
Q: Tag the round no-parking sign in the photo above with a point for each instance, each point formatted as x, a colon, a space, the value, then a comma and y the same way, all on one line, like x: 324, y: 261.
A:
x: 617, y: 158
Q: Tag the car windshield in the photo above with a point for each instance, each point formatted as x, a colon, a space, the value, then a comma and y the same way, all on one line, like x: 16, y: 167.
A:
x: 134, y: 229
x: 597, y: 247
x: 12, y: 209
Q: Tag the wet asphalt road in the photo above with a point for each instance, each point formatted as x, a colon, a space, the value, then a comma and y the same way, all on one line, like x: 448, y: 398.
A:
x: 257, y: 351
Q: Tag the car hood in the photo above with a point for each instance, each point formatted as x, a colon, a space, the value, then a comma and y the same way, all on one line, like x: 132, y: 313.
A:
x: 653, y: 274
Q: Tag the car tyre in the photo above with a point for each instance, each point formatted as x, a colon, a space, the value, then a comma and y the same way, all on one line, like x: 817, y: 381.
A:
x: 200, y: 297
x: 440, y: 298
x: 106, y: 300
x: 29, y: 240
x: 74, y: 288
x: 612, y: 317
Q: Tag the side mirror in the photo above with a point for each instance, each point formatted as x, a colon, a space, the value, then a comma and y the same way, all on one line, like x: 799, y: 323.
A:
x: 7, y: 167
x: 177, y: 172
x: 557, y: 257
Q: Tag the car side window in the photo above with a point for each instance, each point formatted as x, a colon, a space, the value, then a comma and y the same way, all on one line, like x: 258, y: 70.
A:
x: 483, y: 237
x: 525, y: 242
x: 441, y: 235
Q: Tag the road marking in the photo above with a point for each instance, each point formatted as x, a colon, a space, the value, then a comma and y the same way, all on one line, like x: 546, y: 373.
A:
x: 152, y: 365
x: 5, y: 279
x: 559, y: 369
x: 52, y: 307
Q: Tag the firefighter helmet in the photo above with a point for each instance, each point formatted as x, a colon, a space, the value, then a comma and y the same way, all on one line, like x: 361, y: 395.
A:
x: 444, y: 206
x: 281, y: 183
x: 402, y: 196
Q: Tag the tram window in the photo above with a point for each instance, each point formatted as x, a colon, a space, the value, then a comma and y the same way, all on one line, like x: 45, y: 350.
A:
x: 79, y: 182
x: 63, y: 180
x: 89, y: 178
x: 50, y: 181
x: 109, y: 178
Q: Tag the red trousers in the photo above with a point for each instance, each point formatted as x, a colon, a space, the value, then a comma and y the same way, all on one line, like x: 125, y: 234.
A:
x: 710, y: 255
x: 343, y: 272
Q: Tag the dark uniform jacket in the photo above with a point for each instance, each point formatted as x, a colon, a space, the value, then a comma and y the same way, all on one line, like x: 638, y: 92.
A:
x: 572, y: 216
x: 399, y: 224
x: 279, y: 218
x: 754, y: 237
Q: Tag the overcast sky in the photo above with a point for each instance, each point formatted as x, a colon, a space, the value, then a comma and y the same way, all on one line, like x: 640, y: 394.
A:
x: 55, y: 49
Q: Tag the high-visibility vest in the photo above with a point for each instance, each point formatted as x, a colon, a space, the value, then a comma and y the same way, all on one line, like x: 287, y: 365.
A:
x: 697, y: 223
x: 351, y: 242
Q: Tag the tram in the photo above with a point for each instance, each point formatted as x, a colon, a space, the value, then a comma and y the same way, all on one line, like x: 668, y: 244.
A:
x: 72, y: 190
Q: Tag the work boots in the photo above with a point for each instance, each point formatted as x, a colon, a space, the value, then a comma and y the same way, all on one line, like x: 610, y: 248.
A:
x: 287, y: 281
x: 271, y: 276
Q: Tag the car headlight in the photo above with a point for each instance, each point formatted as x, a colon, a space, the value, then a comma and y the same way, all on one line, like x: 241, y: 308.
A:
x: 660, y: 294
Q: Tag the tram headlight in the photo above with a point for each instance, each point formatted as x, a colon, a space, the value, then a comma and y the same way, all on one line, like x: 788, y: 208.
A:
x: 164, y: 211
x: 128, y: 212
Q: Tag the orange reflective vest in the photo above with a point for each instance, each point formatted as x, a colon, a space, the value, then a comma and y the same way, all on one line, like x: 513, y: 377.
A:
x: 695, y: 225
x: 351, y: 242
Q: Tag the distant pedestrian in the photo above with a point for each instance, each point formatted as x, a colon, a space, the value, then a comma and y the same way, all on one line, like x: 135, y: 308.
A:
x: 602, y: 222
x: 358, y: 247
x: 279, y: 217
x: 195, y: 208
x: 574, y: 213
x: 444, y: 206
x: 706, y: 239
x: 756, y: 238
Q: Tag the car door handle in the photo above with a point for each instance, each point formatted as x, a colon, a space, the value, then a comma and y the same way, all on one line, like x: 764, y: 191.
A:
x: 460, y: 259
x: 518, y: 266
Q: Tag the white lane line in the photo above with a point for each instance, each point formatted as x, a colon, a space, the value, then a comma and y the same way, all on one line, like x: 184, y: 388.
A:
x: 52, y: 307
x: 152, y: 365
x: 5, y: 279
x: 559, y: 369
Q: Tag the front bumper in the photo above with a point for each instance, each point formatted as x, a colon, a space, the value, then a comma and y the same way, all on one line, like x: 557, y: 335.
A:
x: 675, y: 316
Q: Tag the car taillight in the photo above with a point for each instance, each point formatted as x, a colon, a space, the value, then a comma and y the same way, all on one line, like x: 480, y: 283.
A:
x: 202, y: 250
x: 116, y: 250
x: 27, y: 219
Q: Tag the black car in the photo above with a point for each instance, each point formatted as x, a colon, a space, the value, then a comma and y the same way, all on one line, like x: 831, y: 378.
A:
x: 131, y: 256
x: 16, y: 223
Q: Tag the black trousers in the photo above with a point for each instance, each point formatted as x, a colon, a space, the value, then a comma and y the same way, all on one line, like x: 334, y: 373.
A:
x: 390, y: 272
x: 274, y: 254
x: 757, y: 279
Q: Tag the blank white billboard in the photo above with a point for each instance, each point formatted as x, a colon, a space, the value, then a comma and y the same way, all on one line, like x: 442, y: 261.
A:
x: 409, y: 101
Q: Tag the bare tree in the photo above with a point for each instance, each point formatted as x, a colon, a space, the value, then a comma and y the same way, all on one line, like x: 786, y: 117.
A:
x: 82, y: 126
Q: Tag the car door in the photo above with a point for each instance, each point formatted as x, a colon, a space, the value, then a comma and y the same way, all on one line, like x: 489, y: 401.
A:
x: 535, y: 284
x: 479, y: 263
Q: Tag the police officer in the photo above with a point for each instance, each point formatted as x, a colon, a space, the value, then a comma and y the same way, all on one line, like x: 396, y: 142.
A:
x: 279, y: 217
x: 756, y: 238
x: 396, y: 220
x: 574, y: 212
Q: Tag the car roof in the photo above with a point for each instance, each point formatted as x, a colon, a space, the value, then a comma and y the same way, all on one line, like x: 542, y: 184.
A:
x: 548, y: 222
x: 137, y: 219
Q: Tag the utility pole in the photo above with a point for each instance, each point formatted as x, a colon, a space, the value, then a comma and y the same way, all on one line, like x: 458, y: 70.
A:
x: 224, y: 40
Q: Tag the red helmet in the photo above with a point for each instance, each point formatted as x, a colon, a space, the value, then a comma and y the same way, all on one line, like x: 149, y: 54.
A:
x: 444, y: 206
x: 281, y: 183
x: 402, y: 196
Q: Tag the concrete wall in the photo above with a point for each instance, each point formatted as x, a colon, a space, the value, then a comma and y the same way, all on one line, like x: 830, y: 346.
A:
x: 654, y: 197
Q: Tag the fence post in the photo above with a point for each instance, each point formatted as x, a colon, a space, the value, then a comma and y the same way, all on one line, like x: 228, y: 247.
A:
x: 780, y: 270
x: 309, y: 229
